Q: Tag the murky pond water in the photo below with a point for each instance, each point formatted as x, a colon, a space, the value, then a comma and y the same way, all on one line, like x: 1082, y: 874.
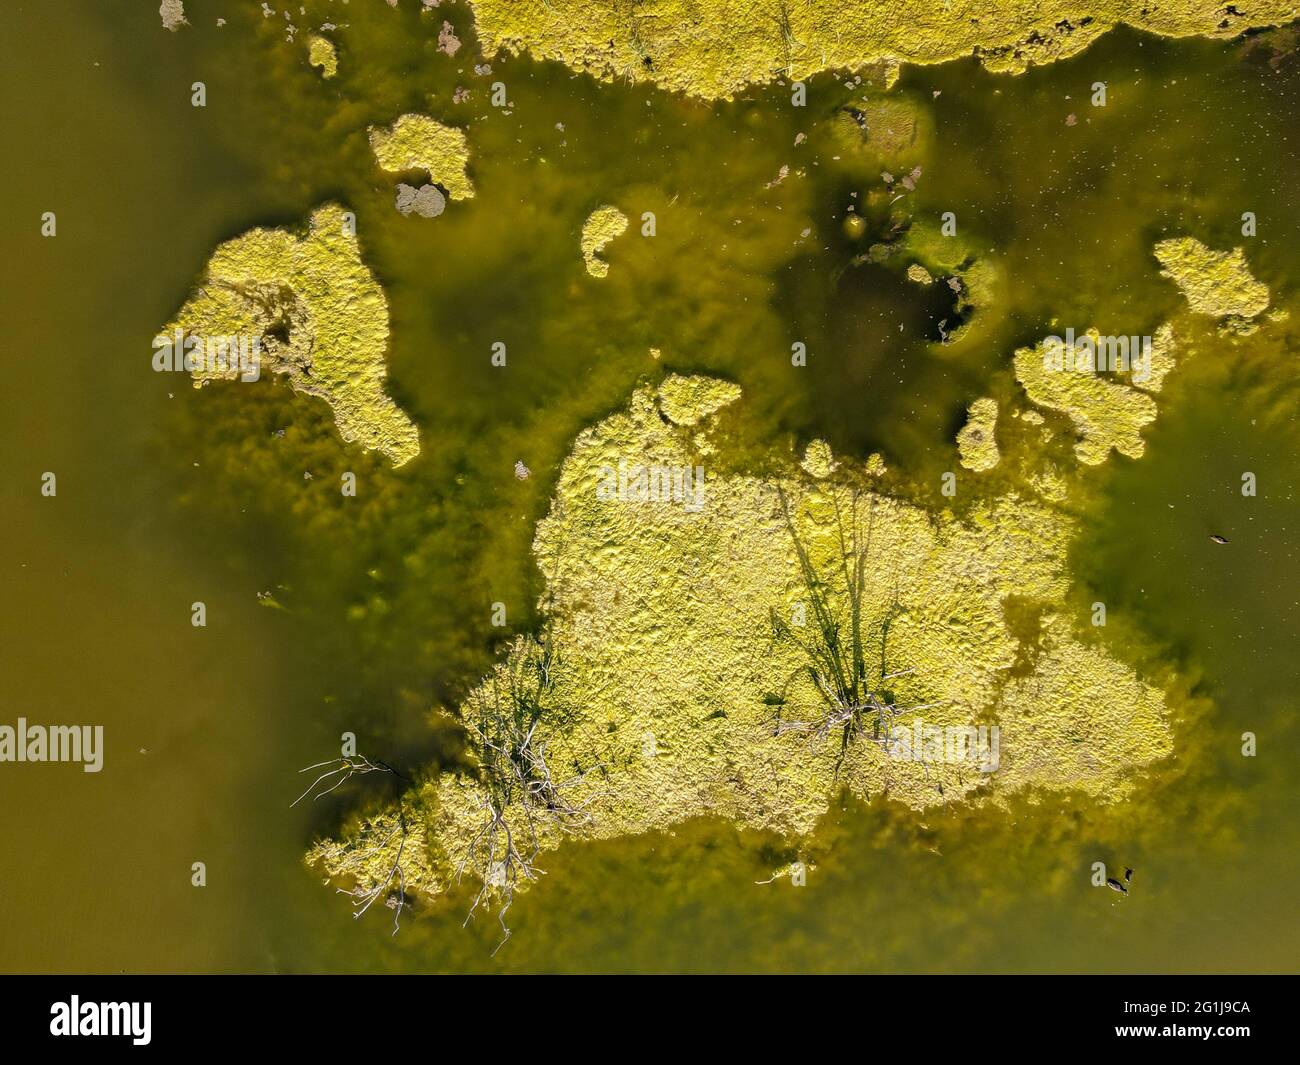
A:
x: 169, y: 495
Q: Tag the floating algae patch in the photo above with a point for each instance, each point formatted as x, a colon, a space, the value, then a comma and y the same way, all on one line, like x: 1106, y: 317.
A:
x: 321, y: 54
x: 1106, y: 414
x: 977, y: 443
x: 319, y: 317
x: 883, y: 130
x: 418, y: 142
x: 715, y: 48
x: 1163, y: 359
x: 682, y: 670
x: 1216, y: 283
x: 688, y: 400
x: 172, y: 13
x: 977, y: 281
x: 603, y: 225
x: 818, y: 460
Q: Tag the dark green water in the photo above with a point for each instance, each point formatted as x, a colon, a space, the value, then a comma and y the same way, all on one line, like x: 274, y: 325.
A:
x: 168, y: 495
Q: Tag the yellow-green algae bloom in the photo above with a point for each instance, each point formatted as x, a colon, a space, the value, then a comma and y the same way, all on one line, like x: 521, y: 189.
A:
x: 689, y: 400
x: 321, y: 54
x: 1106, y: 413
x: 417, y: 142
x: 668, y: 674
x: 977, y: 443
x: 818, y: 460
x: 1215, y: 283
x: 980, y: 279
x: 602, y: 225
x: 880, y: 129
x: 715, y: 48
x: 320, y: 318
x: 1163, y: 358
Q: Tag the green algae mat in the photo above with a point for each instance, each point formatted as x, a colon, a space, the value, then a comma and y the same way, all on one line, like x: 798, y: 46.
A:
x: 597, y: 485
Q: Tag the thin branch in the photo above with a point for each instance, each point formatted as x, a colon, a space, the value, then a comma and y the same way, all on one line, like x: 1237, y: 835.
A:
x: 344, y: 769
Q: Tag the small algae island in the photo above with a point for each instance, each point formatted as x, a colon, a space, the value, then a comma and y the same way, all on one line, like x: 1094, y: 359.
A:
x: 601, y: 227
x: 1070, y: 375
x: 322, y: 55
x: 418, y: 142
x: 1106, y: 414
x: 317, y: 315
x: 1216, y: 283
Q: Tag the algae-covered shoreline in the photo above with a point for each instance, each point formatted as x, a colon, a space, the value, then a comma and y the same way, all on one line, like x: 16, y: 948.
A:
x: 713, y: 50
